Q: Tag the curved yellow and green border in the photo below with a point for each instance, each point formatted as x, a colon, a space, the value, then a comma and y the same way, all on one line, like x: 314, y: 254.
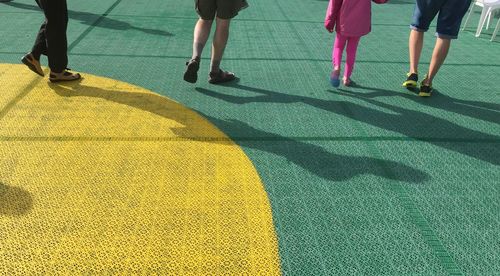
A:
x: 101, y: 176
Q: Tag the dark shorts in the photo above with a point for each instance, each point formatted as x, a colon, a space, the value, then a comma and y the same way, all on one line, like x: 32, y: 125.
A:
x: 450, y: 16
x: 223, y: 9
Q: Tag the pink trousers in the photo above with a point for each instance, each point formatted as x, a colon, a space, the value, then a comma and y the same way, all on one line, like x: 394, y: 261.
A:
x: 338, y: 49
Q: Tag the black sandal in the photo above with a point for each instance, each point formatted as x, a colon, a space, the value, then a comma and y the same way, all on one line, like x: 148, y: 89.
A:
x: 192, y: 67
x: 221, y: 77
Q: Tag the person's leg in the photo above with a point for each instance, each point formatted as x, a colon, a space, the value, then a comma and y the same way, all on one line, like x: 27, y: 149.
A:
x: 338, y: 50
x: 415, y: 46
x: 226, y: 10
x: 424, y: 13
x: 56, y: 13
x: 219, y: 43
x: 57, y: 46
x: 200, y: 37
x: 352, y: 48
x: 217, y: 75
x: 448, y: 26
x: 206, y: 9
x: 438, y: 57
x: 32, y: 59
x: 40, y: 46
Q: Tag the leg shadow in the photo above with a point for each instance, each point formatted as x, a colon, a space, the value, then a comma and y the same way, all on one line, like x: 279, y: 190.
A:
x: 97, y: 20
x: 149, y: 102
x: 413, y: 124
x: 488, y: 112
x: 315, y: 159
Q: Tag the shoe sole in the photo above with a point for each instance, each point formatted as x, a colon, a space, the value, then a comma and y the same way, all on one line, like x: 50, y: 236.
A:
x: 421, y: 94
x: 191, y: 74
x: 65, y: 80
x: 31, y: 66
x: 222, y: 81
x: 410, y: 84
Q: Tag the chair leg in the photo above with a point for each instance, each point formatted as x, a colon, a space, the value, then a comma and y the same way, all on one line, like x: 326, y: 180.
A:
x: 482, y: 20
x: 496, y: 30
x: 468, y: 16
x: 488, y: 20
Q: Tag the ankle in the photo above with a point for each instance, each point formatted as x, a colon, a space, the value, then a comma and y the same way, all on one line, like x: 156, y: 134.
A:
x: 215, y: 66
x: 214, y: 72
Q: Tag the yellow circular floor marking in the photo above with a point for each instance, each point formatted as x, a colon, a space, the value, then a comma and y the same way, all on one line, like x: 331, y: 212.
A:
x: 104, y: 177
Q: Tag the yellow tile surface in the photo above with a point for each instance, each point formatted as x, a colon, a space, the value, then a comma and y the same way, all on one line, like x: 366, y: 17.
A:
x: 101, y: 176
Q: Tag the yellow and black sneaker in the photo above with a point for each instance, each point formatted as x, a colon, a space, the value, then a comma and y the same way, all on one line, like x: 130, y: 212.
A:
x: 411, y: 80
x: 425, y: 90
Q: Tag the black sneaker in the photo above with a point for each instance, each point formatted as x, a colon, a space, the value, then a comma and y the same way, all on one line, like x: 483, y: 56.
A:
x: 411, y: 80
x: 192, y: 67
x: 425, y: 89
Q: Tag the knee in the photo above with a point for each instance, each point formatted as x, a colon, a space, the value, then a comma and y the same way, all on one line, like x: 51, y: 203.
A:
x: 205, y: 22
x: 223, y: 23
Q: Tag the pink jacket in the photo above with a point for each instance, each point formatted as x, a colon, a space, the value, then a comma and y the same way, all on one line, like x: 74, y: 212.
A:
x: 350, y: 17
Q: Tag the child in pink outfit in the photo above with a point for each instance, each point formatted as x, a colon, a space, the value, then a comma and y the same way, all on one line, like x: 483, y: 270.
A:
x: 351, y: 19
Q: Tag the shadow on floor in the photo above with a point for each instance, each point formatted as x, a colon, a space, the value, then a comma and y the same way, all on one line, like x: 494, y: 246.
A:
x: 149, y: 102
x: 316, y: 159
x: 14, y: 201
x: 409, y: 123
x: 91, y: 19
x: 488, y: 112
x: 311, y: 157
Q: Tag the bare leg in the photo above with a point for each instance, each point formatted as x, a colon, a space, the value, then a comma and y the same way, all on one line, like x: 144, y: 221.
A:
x: 416, y: 42
x: 438, y: 56
x: 219, y: 43
x: 201, y: 34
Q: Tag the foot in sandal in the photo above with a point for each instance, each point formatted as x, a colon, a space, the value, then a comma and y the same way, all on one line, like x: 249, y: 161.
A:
x: 65, y: 75
x: 347, y: 81
x: 192, y: 67
x: 221, y: 77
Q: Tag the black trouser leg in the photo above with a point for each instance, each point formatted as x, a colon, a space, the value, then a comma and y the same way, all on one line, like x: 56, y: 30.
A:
x: 56, y: 44
x: 40, y: 47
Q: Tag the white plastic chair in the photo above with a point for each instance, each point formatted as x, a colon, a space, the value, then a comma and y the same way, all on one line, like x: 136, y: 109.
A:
x: 496, y: 30
x: 486, y: 14
x: 475, y: 3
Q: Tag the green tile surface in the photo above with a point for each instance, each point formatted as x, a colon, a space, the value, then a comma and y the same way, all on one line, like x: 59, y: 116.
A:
x: 368, y: 180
